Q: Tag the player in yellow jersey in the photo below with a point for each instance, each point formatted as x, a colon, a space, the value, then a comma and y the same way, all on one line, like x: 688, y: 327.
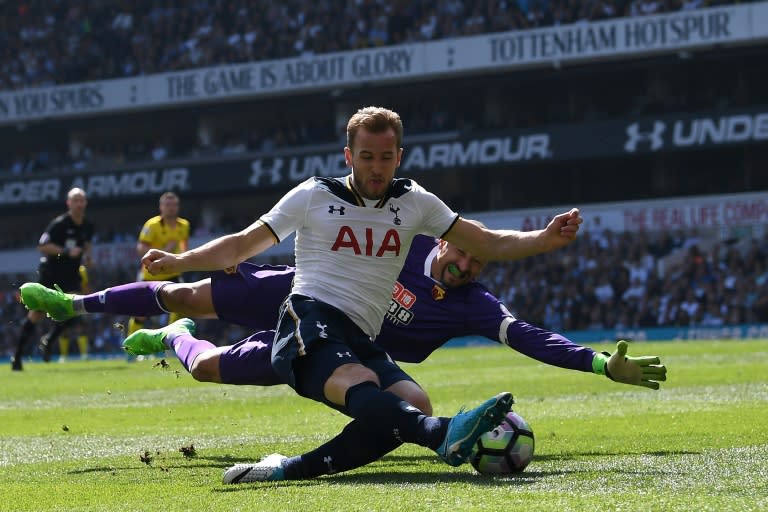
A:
x: 167, y: 232
x: 78, y: 332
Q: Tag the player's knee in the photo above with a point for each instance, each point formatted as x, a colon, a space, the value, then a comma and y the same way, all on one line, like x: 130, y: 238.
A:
x: 421, y: 402
x: 413, y: 394
x: 344, y: 377
x: 205, y: 367
x: 35, y: 316
x: 176, y: 298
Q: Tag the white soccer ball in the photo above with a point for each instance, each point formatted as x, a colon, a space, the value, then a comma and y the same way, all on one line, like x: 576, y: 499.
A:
x: 506, y: 449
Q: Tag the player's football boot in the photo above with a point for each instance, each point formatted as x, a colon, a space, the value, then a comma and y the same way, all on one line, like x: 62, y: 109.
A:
x: 151, y: 341
x: 466, y: 427
x: 56, y: 303
x: 269, y: 469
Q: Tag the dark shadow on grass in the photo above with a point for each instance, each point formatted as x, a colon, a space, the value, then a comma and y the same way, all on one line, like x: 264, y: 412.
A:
x: 102, y: 469
x: 364, y: 476
x: 571, y: 456
x: 421, y: 477
x: 218, y: 462
x: 159, y: 466
x: 356, y: 478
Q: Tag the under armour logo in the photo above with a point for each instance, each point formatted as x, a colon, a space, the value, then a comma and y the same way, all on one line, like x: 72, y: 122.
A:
x: 394, y: 210
x: 654, y: 137
x: 332, y: 209
x: 343, y: 354
x: 322, y: 327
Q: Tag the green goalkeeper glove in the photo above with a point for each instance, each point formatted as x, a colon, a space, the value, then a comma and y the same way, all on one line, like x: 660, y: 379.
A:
x: 644, y: 371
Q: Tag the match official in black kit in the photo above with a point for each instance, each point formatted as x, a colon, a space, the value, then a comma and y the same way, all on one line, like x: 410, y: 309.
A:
x: 65, y: 245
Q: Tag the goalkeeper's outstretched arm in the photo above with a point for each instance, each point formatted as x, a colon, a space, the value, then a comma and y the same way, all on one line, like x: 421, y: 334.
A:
x: 646, y: 371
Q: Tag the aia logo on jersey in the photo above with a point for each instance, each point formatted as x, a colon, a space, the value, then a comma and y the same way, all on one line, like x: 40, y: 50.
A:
x: 346, y: 239
x: 399, y: 312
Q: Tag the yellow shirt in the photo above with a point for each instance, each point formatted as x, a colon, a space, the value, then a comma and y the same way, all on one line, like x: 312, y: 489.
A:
x: 156, y: 233
x: 84, y: 283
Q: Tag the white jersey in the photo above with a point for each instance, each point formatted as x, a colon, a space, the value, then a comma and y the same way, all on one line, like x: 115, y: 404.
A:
x: 349, y: 255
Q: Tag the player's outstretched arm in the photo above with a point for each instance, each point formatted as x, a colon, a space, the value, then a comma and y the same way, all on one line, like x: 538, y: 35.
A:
x: 217, y: 254
x: 500, y: 244
x: 646, y: 371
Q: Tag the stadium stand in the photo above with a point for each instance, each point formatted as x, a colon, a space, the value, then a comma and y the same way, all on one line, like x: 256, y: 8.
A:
x: 51, y: 44
x: 47, y: 43
x: 726, y: 284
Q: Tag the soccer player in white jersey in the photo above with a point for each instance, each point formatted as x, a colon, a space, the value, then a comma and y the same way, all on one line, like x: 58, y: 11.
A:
x: 352, y: 236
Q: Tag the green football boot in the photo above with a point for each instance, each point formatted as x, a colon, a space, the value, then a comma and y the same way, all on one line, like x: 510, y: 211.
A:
x: 151, y: 341
x: 55, y: 303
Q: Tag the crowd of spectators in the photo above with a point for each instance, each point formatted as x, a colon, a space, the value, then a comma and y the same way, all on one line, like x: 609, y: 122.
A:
x: 627, y: 280
x: 43, y: 42
x: 47, y: 43
x: 602, y: 281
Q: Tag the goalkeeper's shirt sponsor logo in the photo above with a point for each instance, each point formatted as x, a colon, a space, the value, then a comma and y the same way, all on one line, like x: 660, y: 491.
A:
x: 399, y: 311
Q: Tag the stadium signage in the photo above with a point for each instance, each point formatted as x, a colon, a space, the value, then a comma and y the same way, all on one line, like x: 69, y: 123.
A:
x: 725, y: 332
x: 619, y: 38
x: 30, y: 191
x: 33, y: 103
x: 655, y: 135
x: 98, y: 186
x: 626, y: 35
x: 418, y: 157
x: 293, y: 169
x: 724, y: 213
x: 432, y: 153
x: 282, y: 75
x: 489, y: 151
x: 133, y: 183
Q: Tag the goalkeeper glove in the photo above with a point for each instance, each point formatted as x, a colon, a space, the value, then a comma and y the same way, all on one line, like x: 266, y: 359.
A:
x: 644, y: 371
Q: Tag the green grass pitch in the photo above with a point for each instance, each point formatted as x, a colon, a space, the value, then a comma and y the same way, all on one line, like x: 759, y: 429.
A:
x: 112, y: 436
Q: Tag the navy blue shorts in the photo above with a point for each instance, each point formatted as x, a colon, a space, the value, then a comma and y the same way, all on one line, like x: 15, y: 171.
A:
x: 315, y: 338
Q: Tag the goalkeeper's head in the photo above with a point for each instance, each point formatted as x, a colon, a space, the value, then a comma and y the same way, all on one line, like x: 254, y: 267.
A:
x: 453, y: 266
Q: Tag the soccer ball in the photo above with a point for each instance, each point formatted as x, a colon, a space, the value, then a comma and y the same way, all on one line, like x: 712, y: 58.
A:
x: 506, y: 449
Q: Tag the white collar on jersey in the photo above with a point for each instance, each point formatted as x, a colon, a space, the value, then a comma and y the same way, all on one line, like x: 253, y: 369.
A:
x: 428, y: 262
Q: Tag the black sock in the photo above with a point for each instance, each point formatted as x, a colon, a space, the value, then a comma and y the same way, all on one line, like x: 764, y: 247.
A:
x: 387, y: 414
x: 354, y: 447
x: 58, y: 328
x: 26, y: 331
